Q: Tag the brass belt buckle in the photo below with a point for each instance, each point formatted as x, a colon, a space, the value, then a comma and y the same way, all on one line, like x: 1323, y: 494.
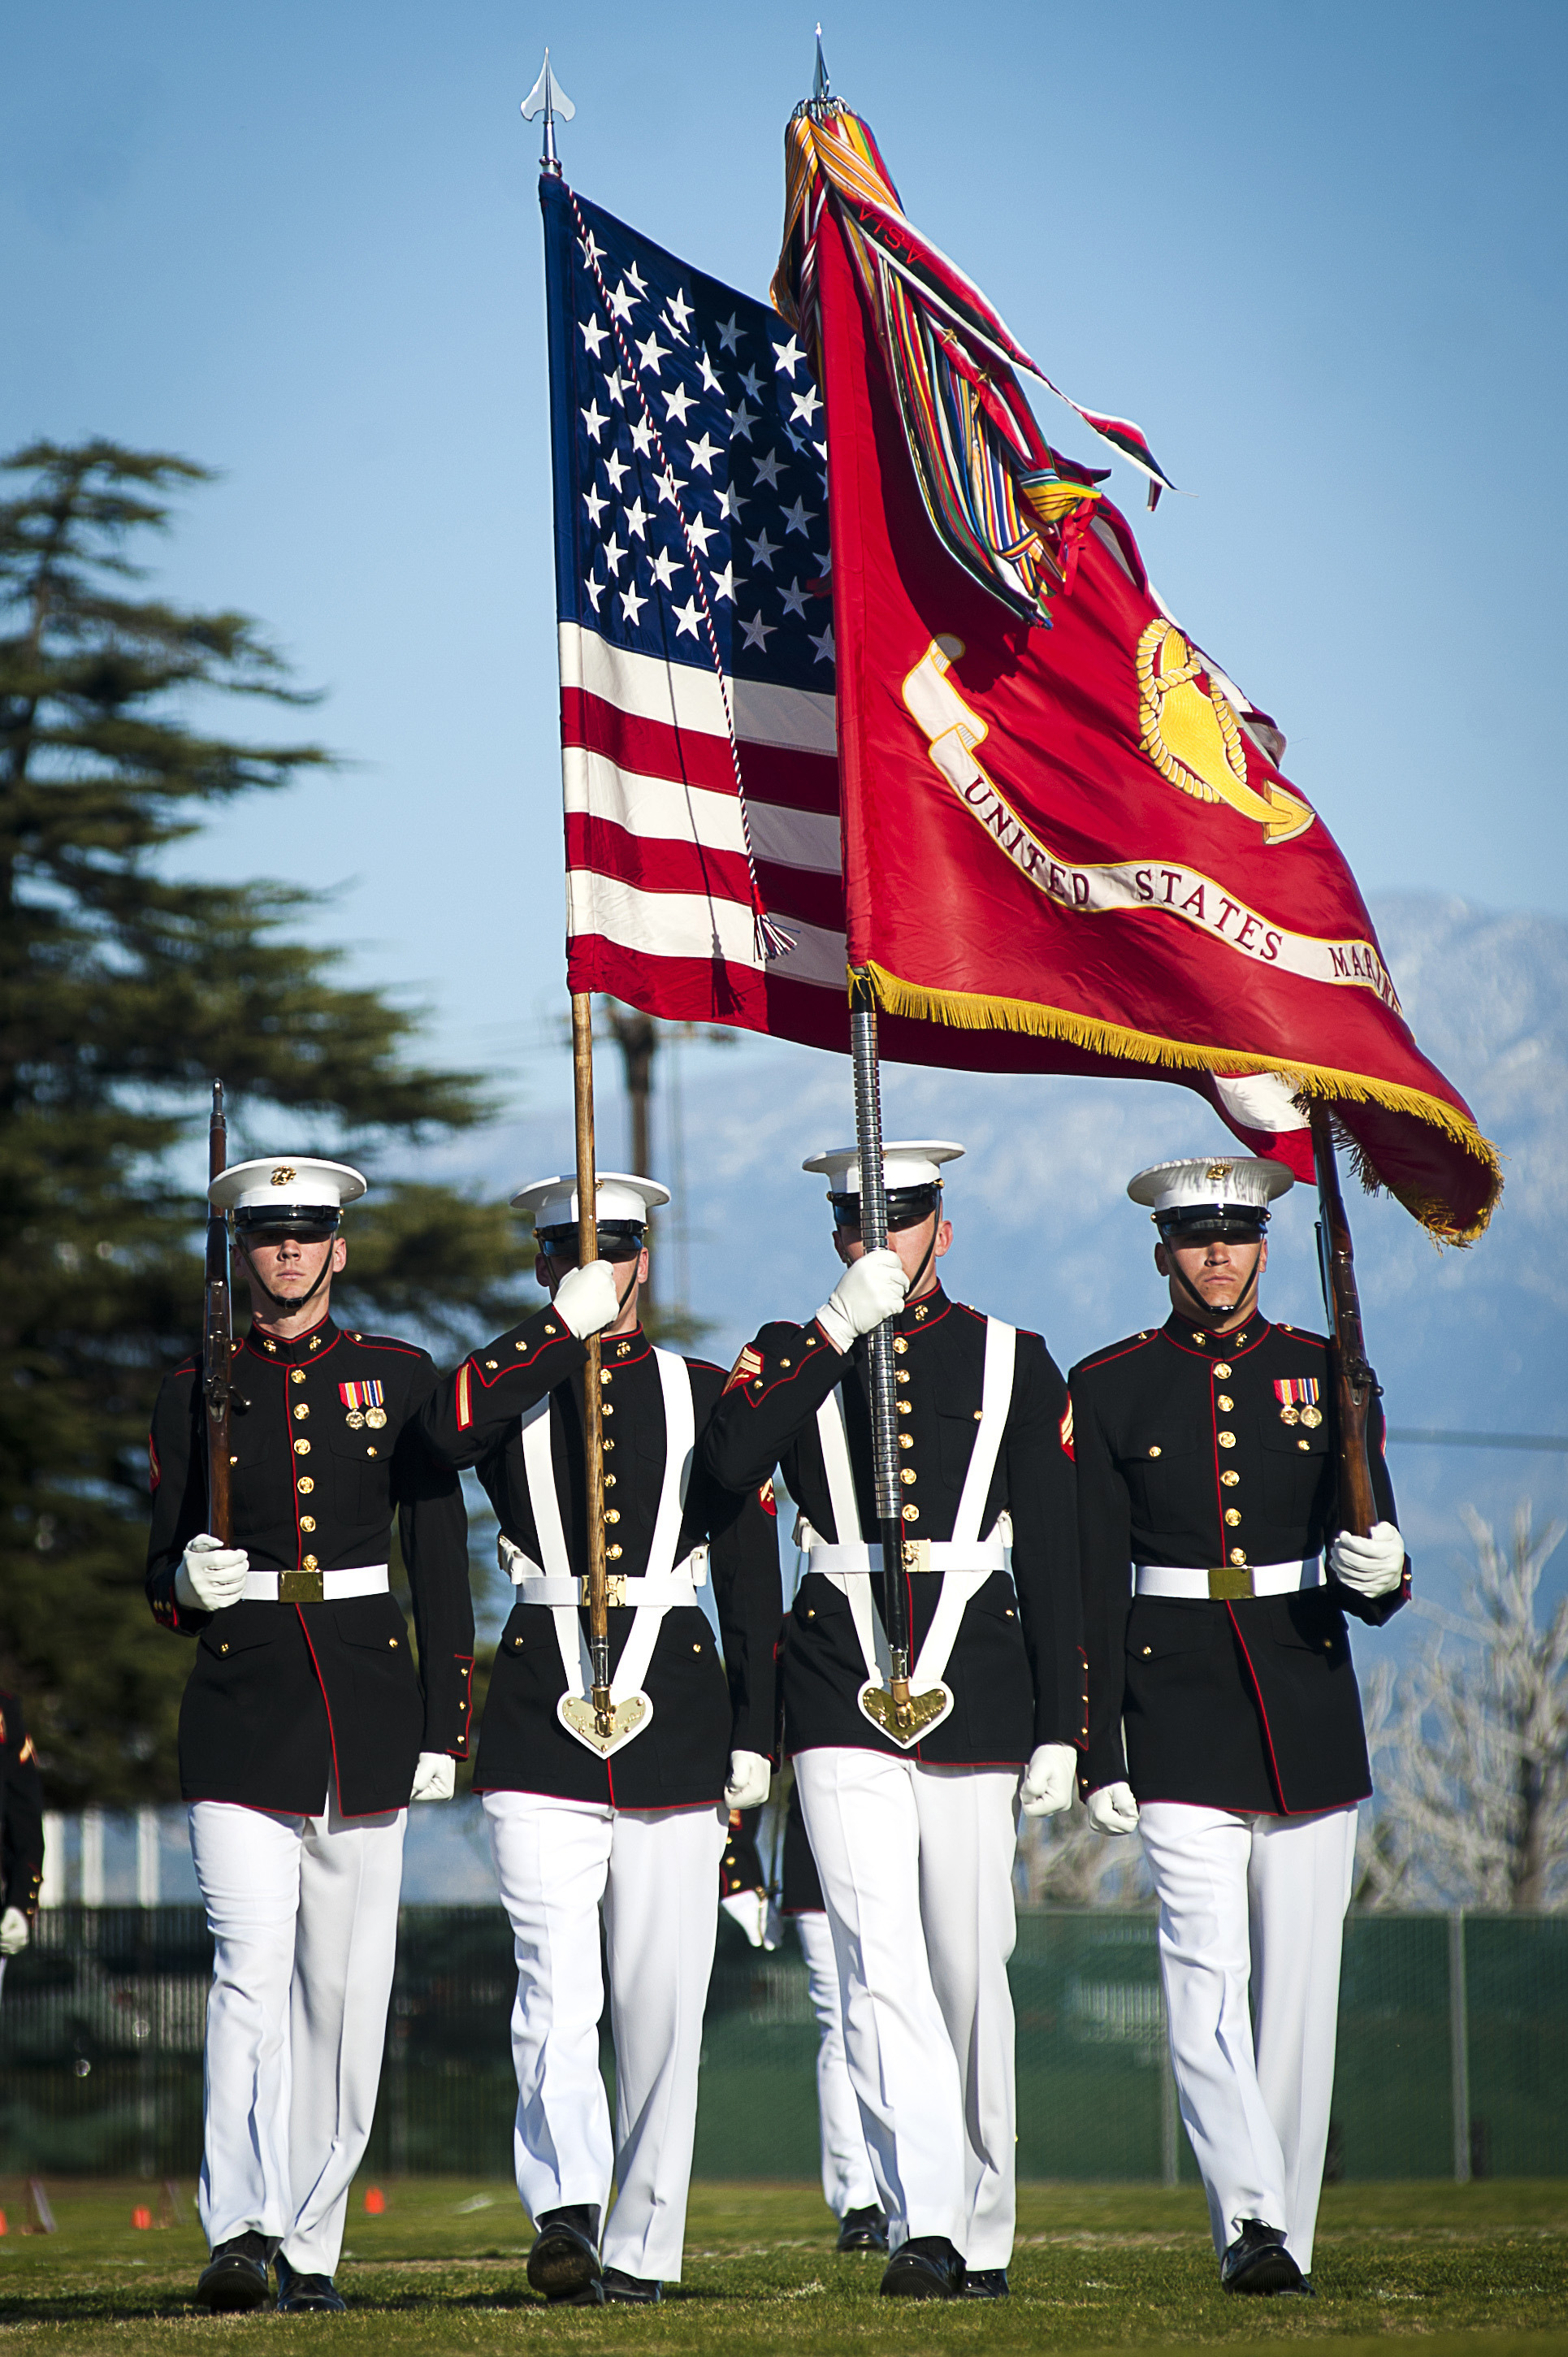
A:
x: 615, y: 1588
x: 917, y: 1554
x: 1228, y: 1580
x: 301, y: 1588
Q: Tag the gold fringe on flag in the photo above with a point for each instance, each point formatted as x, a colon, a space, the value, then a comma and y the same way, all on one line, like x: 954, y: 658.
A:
x: 966, y: 1010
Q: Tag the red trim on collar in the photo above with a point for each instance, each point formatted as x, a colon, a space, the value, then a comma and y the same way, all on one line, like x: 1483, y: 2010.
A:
x: 1219, y: 1346
x: 919, y: 1317
x: 282, y: 1351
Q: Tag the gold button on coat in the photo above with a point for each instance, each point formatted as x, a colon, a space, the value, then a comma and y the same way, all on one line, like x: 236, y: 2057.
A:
x: 906, y: 1474
x: 307, y: 1522
x: 302, y: 1447
x: 1155, y: 1449
x: 1229, y: 1478
x: 310, y: 1564
x: 1220, y: 1371
x: 304, y: 1485
x: 297, y: 1375
x: 301, y: 1411
x: 1232, y: 1515
x: 1224, y: 1404
x: 1226, y: 1440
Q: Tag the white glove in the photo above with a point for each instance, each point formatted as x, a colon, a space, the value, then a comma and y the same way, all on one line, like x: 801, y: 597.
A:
x: 586, y: 1300
x: 1372, y: 1566
x: 211, y: 1575
x: 435, y: 1775
x: 1113, y: 1809
x: 1047, y: 1782
x: 870, y: 1289
x: 14, y: 1932
x: 749, y: 1776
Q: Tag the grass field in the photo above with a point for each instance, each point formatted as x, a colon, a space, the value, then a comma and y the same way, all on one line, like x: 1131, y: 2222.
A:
x: 1098, y: 2268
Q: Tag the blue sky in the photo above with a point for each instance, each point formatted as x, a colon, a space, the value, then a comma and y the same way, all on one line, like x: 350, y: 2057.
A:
x: 1316, y: 252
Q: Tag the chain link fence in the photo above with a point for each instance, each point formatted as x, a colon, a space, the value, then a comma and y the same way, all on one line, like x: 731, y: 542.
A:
x: 1453, y: 2048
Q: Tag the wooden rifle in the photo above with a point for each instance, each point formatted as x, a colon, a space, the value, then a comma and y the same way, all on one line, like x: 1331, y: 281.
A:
x: 1351, y: 1379
x: 218, y: 1336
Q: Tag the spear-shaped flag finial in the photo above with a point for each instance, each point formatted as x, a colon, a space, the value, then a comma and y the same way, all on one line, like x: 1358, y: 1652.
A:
x: 823, y: 89
x: 548, y: 98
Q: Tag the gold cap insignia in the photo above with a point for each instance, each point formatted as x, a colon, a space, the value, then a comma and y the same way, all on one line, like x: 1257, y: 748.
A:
x: 1218, y: 1173
x: 284, y: 1175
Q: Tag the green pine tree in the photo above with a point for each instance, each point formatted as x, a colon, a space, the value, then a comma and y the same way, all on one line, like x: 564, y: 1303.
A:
x: 123, y: 993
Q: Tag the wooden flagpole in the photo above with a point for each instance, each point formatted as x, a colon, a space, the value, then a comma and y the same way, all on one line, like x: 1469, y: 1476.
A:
x: 592, y: 1419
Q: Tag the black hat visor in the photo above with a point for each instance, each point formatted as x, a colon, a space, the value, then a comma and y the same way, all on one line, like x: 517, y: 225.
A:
x: 617, y: 1240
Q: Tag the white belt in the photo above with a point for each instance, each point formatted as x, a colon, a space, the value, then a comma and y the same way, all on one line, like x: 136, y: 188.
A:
x: 663, y: 1593
x: 313, y: 1587
x: 1227, y: 1579
x: 920, y: 1555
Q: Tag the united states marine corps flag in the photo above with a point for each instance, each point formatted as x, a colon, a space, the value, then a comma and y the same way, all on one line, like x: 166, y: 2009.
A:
x: 1061, y: 821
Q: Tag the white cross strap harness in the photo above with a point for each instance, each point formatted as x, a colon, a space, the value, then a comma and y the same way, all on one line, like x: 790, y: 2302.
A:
x: 664, y: 1583
x: 965, y: 1562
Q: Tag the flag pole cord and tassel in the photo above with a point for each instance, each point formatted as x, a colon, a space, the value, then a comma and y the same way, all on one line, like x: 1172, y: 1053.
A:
x: 1351, y: 1381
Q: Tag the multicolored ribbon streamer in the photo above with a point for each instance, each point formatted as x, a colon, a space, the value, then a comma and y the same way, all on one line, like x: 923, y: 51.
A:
x: 1007, y: 507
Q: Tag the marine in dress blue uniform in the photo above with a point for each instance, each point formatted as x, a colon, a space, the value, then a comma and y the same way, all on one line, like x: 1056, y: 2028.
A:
x: 635, y: 1837
x: 915, y: 1848
x: 305, y: 1726
x: 1224, y: 1718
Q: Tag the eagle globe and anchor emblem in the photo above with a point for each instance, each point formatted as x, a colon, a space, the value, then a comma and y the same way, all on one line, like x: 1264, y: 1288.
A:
x: 1191, y: 733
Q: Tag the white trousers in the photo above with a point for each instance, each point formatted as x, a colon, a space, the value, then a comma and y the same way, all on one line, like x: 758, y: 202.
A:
x: 847, y: 2180
x: 656, y: 1877
x: 1253, y: 1902
x: 304, y: 1910
x: 915, y: 1865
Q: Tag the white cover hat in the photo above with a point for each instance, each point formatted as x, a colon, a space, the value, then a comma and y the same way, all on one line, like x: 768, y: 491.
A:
x: 1222, y: 1185
x: 618, y: 1196
x: 906, y: 1162
x: 285, y: 1183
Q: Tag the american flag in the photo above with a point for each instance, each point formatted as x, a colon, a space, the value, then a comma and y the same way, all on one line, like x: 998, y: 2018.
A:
x: 699, y: 750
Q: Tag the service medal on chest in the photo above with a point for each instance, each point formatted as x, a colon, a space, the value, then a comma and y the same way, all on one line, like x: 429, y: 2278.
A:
x: 365, y: 1403
x: 1297, y: 1395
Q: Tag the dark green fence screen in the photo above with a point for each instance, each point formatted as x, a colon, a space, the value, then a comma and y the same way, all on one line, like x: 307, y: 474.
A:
x: 1452, y: 2050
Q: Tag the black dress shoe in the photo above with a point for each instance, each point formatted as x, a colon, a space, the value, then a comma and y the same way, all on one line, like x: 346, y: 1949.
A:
x: 235, y: 2277
x: 863, y: 2230
x: 984, y: 2283
x: 1258, y: 2261
x: 632, y: 2291
x: 303, y: 2295
x: 925, y: 2267
x: 564, y: 2262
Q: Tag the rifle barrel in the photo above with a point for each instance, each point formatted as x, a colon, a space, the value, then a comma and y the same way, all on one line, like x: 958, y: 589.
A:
x: 1352, y: 1379
x: 218, y: 1340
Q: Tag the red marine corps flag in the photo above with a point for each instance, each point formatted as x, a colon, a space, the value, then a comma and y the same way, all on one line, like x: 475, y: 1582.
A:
x: 919, y: 711
x: 1063, y: 825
